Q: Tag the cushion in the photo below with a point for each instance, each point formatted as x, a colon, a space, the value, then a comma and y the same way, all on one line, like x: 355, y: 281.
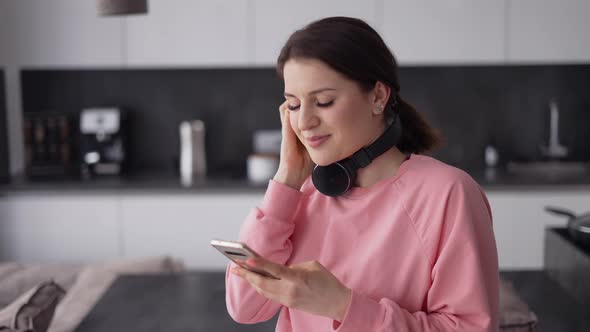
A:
x: 515, y: 315
x: 33, y: 310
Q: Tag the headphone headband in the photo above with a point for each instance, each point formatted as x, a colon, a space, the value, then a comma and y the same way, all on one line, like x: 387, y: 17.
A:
x: 365, y: 156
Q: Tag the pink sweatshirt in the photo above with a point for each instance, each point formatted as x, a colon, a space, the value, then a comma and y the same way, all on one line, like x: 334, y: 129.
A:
x: 417, y: 250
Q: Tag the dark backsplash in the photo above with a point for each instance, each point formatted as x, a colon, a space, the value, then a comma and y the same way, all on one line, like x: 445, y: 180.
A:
x: 232, y: 103
x: 4, y: 164
x: 507, y: 104
x: 469, y: 104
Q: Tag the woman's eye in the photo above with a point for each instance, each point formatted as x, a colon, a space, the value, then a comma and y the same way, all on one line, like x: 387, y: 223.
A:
x: 294, y: 108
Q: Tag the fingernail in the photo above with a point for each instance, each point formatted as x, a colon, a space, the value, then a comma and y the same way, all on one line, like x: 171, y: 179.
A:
x: 251, y: 262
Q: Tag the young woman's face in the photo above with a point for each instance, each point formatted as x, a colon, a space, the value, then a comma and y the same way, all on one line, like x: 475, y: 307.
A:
x: 329, y: 113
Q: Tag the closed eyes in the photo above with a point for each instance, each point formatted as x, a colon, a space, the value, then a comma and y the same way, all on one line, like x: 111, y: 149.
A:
x: 296, y: 107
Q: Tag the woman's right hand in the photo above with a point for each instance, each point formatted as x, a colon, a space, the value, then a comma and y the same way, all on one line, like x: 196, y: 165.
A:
x: 295, y: 165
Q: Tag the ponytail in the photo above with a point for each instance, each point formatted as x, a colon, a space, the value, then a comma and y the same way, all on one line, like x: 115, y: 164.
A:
x: 417, y: 135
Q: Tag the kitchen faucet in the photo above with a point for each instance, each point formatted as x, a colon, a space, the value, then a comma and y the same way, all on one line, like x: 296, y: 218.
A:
x: 554, y: 149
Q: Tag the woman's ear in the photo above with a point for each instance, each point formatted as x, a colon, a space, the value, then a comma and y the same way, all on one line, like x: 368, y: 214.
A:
x: 381, y: 94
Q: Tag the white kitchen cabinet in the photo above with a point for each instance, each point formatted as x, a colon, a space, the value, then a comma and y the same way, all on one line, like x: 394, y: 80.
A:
x: 440, y: 32
x: 58, y: 33
x: 547, y: 31
x: 189, y: 33
x: 92, y: 227
x: 520, y: 221
x: 183, y: 225
x: 58, y: 228
x: 275, y: 20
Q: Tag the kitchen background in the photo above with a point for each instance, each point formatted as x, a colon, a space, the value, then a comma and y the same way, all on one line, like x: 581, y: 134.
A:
x: 481, y: 71
x: 471, y: 105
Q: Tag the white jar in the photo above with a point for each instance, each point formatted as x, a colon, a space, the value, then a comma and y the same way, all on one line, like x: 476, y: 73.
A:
x: 491, y: 156
x: 262, y: 167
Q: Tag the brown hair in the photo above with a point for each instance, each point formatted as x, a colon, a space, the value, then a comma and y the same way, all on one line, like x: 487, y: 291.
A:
x: 351, y: 47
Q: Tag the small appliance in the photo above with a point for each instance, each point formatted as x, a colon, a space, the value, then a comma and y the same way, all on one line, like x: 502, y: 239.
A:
x: 102, y: 141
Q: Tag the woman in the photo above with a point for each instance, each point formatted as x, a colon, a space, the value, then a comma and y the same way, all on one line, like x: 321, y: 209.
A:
x: 409, y: 247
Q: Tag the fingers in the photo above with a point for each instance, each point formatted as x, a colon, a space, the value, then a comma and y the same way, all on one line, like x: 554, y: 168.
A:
x: 268, y: 287
x: 307, y: 266
x: 277, y: 270
x: 284, y: 112
x: 284, y: 106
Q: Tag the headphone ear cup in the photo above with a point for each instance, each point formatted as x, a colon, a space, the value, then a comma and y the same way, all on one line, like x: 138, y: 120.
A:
x: 334, y: 179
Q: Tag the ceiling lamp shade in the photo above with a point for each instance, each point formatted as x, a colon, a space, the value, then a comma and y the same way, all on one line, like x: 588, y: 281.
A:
x: 122, y: 7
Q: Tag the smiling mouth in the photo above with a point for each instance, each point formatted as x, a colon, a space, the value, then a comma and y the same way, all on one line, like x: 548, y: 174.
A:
x: 316, y: 141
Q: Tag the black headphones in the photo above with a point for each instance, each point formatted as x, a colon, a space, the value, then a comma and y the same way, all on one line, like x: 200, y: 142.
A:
x: 336, y: 179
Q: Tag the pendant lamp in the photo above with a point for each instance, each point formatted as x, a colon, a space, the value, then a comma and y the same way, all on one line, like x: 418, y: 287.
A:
x: 122, y: 7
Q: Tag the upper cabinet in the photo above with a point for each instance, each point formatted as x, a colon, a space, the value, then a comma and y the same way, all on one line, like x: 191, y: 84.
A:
x: 548, y: 31
x: 189, y: 33
x: 439, y: 32
x: 275, y: 20
x: 58, y: 33
x: 5, y: 50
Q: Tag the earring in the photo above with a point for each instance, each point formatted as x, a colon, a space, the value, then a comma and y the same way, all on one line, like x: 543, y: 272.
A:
x: 380, y: 109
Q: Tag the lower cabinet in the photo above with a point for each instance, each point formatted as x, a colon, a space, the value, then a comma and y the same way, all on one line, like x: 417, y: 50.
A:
x: 92, y: 227
x: 58, y: 228
x: 183, y: 225
x: 520, y: 221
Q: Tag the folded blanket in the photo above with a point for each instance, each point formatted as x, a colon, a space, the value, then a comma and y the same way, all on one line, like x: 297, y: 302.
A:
x: 33, y: 310
x: 17, y: 278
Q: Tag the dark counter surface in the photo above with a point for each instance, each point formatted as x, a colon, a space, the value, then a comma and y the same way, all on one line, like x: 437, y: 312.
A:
x: 173, y: 303
x: 195, y: 301
x: 556, y: 311
x: 163, y: 182
x: 152, y: 182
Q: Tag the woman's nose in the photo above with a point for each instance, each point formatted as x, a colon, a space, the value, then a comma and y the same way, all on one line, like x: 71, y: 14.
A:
x: 307, y: 118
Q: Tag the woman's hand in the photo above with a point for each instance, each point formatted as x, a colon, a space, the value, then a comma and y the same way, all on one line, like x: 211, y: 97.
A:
x: 307, y: 286
x: 295, y: 165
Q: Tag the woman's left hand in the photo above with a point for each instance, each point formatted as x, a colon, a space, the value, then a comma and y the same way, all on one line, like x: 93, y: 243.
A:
x: 306, y: 286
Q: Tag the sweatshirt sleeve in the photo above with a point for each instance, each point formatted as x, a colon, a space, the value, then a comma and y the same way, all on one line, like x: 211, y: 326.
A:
x: 267, y: 230
x: 463, y: 295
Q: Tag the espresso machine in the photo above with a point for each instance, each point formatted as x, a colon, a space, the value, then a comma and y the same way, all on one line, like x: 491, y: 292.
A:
x: 102, y: 142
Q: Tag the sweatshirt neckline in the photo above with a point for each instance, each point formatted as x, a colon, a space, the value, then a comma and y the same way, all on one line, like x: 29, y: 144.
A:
x: 357, y: 192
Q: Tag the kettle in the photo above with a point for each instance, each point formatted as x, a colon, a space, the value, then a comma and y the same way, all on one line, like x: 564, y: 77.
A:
x: 193, y: 163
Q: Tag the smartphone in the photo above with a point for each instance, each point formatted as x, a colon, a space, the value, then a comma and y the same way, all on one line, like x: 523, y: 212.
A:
x: 239, y: 252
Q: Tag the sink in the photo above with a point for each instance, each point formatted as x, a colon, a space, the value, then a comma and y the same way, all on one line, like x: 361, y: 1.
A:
x: 549, y: 168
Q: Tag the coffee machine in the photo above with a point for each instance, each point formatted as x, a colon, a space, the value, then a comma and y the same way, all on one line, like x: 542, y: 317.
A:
x: 102, y: 142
